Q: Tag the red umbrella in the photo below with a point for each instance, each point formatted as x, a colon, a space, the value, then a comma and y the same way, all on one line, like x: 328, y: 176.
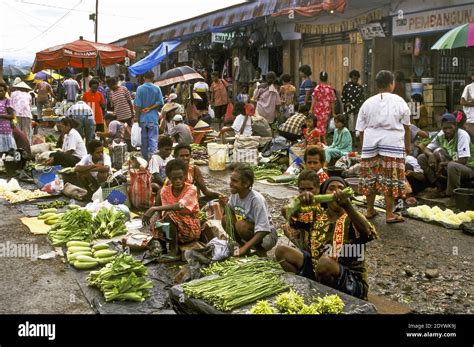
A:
x: 80, y: 54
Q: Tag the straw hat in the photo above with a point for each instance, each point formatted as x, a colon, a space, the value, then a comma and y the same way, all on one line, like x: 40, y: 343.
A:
x: 21, y: 85
x: 169, y: 107
x: 196, y: 96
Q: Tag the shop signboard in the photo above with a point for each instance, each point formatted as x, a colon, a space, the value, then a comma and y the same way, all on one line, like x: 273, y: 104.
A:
x: 432, y: 21
x: 222, y: 37
x: 371, y: 30
x: 183, y: 56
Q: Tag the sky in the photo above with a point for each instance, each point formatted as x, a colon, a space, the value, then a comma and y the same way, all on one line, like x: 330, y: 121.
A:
x: 29, y: 26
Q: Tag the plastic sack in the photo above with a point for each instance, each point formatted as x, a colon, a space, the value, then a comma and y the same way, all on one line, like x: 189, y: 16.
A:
x: 136, y: 135
x: 211, y: 112
x: 220, y: 249
x: 46, y: 175
x: 331, y: 125
x: 139, y: 190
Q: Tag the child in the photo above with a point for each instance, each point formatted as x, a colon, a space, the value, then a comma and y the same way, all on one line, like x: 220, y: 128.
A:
x: 311, y: 134
x: 314, y: 159
x: 419, y: 114
x: 298, y: 227
x: 244, y: 97
x: 342, y: 140
x: 7, y: 141
x: 287, y: 96
x: 157, y: 165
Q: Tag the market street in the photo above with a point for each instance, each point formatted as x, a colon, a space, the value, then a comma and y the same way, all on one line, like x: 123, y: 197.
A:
x: 398, y: 264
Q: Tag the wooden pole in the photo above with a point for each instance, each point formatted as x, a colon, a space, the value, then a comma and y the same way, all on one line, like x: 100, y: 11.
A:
x: 96, y: 20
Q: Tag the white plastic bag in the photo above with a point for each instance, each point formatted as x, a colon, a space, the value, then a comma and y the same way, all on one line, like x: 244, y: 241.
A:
x: 210, y: 110
x: 136, y: 135
x: 331, y: 126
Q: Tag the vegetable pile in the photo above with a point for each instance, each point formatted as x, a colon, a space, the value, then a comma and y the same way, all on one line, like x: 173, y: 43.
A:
x: 82, y: 256
x: 438, y: 215
x: 74, y: 225
x: 199, y: 152
x: 109, y: 223
x: 229, y: 225
x: 124, y: 279
x: 239, y: 283
x: 22, y: 195
x: 50, y: 216
x: 293, y: 303
x: 295, y: 204
x: 52, y: 204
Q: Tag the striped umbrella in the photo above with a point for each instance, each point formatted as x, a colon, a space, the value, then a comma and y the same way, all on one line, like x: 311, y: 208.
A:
x: 461, y: 36
x: 43, y: 76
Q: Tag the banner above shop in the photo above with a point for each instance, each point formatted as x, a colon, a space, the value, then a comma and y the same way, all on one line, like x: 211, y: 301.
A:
x: 222, y: 37
x: 432, y: 21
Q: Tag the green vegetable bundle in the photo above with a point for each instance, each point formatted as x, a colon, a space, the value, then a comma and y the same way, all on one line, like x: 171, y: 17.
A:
x: 74, y: 225
x: 295, y: 204
x: 262, y: 307
x: 109, y: 223
x: 124, y: 279
x: 202, y: 217
x: 262, y: 174
x: 229, y: 225
x: 240, y: 265
x: 239, y: 285
x: 52, y: 204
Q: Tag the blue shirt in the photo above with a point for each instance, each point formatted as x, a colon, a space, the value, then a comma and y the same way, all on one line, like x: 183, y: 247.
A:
x: 305, y: 86
x: 148, y: 95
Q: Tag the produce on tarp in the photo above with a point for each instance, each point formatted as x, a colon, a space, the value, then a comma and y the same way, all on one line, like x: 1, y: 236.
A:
x: 238, y: 285
x: 436, y: 214
x: 82, y: 256
x: 199, y: 152
x: 52, y: 204
x: 289, y: 302
x: 123, y: 279
x: 74, y: 225
x: 22, y: 195
x: 262, y: 307
x: 109, y: 223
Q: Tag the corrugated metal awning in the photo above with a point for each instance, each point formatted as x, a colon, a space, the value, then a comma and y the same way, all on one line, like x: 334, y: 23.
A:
x: 225, y: 18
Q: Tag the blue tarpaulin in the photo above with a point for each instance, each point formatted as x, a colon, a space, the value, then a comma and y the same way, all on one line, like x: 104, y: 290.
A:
x: 154, y: 58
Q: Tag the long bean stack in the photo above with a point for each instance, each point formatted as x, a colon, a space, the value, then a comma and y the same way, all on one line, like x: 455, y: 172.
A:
x: 233, y: 265
x: 229, y: 225
x: 239, y: 285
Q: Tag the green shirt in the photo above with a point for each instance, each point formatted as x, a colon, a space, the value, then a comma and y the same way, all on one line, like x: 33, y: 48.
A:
x: 342, y: 140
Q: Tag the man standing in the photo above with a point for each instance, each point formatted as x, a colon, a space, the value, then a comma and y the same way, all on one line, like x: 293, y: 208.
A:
x: 149, y: 98
x: 72, y: 88
x: 83, y: 114
x: 44, y: 91
x: 467, y: 101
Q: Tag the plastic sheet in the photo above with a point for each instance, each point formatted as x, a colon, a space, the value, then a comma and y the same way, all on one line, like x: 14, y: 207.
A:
x: 183, y: 304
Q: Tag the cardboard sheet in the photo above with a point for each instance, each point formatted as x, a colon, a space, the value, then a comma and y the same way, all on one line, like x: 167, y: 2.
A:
x: 36, y: 226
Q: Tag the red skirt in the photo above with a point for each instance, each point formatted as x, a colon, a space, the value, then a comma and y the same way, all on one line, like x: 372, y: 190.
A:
x: 188, y: 226
x: 382, y: 175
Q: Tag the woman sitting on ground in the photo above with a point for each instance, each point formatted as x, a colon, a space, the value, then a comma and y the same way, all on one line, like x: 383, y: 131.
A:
x: 335, y: 228
x: 73, y: 146
x: 342, y: 140
x: 193, y: 174
x: 178, y: 205
x: 251, y: 217
x: 242, y: 124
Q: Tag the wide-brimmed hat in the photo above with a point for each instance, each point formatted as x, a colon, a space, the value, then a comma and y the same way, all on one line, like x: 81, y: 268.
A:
x: 169, y: 107
x: 196, y: 96
x: 178, y: 118
x: 21, y: 85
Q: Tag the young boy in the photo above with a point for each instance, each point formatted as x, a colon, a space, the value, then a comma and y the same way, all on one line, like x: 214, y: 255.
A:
x: 299, y: 225
x: 314, y: 159
x: 158, y: 161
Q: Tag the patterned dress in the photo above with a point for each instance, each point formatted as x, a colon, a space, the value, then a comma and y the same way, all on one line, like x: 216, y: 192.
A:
x: 325, y: 97
x: 7, y: 140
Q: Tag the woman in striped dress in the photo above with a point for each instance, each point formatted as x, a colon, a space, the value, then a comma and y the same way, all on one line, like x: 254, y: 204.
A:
x: 384, y: 124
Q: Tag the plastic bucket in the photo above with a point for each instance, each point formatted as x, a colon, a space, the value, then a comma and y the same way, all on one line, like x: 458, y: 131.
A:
x: 217, y: 156
x: 296, y: 155
x: 416, y: 88
x: 464, y: 198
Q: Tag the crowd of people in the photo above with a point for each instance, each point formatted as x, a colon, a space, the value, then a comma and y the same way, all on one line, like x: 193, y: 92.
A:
x: 392, y: 163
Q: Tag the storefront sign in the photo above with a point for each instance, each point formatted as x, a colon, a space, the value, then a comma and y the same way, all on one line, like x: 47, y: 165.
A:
x: 222, y: 37
x: 371, y: 30
x: 183, y: 56
x: 431, y: 21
